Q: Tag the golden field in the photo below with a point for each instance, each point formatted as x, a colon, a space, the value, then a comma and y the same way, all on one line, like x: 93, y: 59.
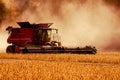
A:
x: 102, y: 66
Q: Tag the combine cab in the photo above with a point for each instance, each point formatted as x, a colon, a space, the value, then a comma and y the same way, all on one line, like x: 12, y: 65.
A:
x: 39, y: 38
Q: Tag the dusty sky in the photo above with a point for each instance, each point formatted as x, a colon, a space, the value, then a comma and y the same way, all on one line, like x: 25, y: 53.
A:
x: 80, y: 22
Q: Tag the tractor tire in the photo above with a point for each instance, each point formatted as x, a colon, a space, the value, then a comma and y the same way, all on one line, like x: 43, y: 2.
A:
x: 25, y: 50
x: 10, y: 49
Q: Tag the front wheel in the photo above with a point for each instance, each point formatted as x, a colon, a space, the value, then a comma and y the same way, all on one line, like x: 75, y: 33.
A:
x: 10, y: 49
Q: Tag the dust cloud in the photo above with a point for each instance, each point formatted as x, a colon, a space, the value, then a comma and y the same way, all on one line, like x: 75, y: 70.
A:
x: 80, y: 22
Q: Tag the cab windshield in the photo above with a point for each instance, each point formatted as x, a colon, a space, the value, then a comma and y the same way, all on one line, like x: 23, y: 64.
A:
x: 45, y: 34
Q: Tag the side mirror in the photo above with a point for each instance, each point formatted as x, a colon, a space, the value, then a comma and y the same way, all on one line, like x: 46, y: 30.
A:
x: 9, y: 29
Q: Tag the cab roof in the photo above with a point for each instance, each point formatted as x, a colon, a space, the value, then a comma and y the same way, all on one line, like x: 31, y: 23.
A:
x: 28, y: 25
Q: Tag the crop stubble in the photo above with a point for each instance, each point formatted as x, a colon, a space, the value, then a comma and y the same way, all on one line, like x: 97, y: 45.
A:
x: 102, y: 66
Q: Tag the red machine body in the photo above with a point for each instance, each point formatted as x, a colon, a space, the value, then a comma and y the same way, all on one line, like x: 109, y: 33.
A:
x: 21, y: 36
x: 30, y: 33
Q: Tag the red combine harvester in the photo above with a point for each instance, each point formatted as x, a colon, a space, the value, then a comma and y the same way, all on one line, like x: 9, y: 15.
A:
x: 39, y: 38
